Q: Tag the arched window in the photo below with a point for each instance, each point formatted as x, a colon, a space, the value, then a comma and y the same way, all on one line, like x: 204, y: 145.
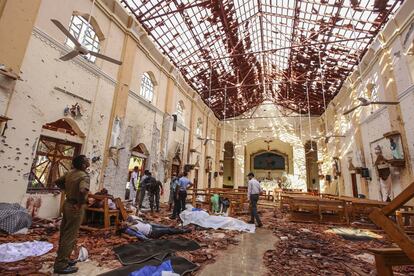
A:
x: 53, y: 155
x: 180, y: 112
x: 85, y: 34
x: 147, y: 87
x: 199, y: 128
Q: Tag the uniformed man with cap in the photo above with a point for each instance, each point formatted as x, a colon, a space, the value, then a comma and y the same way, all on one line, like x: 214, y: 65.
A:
x: 75, y: 184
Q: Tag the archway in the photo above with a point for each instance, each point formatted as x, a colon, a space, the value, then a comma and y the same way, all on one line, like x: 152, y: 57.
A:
x: 312, y: 173
x: 228, y: 166
x: 139, y: 155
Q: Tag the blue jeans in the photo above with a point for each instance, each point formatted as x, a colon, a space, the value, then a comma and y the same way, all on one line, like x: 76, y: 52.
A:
x: 254, y: 215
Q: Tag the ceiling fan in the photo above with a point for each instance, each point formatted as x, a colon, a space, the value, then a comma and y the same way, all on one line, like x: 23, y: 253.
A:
x: 328, y: 137
x: 79, y: 48
x: 206, y: 140
x: 365, y: 102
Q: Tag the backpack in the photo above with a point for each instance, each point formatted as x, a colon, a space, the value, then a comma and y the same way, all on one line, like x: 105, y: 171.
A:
x: 153, y: 185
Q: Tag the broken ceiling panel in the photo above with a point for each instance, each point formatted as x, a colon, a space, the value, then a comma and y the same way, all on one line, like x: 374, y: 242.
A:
x: 237, y: 54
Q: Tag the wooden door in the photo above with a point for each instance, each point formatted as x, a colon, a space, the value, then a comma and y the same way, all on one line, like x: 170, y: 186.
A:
x: 354, y: 185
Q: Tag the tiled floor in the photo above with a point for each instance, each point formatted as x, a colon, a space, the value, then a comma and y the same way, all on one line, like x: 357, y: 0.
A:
x: 244, y: 259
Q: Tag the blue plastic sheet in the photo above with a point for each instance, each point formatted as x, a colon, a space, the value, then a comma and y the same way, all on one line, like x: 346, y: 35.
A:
x: 136, y: 233
x: 153, y: 270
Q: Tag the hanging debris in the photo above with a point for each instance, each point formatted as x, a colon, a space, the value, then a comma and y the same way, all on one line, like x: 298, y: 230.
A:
x: 263, y: 50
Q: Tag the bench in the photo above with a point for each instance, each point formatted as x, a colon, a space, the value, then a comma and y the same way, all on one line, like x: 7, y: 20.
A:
x: 386, y: 258
x: 306, y: 208
x: 105, y: 212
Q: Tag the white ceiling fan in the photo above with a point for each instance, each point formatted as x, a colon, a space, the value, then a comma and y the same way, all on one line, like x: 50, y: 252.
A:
x: 328, y: 137
x: 365, y: 102
x: 79, y: 48
x: 206, y: 140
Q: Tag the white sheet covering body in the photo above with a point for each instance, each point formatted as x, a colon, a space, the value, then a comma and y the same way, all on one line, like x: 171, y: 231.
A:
x: 12, y: 252
x: 203, y: 219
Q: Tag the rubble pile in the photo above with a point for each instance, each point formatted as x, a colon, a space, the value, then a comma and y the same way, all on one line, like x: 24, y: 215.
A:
x: 305, y: 248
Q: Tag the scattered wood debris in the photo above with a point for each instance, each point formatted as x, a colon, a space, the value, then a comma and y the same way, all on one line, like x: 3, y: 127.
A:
x: 307, y: 249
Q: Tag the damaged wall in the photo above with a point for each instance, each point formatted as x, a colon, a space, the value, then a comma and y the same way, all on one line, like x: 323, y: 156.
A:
x: 49, y: 86
x: 385, y: 74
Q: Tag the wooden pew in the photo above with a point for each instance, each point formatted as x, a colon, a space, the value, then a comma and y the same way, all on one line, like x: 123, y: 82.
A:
x: 386, y: 258
x: 237, y: 201
x: 306, y: 208
x: 358, y: 208
x: 380, y: 217
x: 105, y: 212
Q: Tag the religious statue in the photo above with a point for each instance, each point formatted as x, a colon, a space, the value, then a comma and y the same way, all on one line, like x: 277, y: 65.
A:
x: 384, y: 172
x: 395, y: 150
x: 335, y: 168
x: 351, y: 166
x: 269, y: 176
x: 74, y: 111
x: 197, y: 163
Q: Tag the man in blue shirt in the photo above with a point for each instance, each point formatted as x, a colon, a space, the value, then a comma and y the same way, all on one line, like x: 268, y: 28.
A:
x: 184, y: 183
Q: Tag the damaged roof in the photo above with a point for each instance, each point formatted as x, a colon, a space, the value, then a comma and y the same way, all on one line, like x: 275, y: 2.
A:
x: 239, y: 53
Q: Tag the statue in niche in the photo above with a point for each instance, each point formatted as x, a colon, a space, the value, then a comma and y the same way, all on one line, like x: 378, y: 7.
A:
x: 395, y: 150
x: 384, y: 172
x: 336, y: 172
x: 351, y: 166
x: 197, y: 163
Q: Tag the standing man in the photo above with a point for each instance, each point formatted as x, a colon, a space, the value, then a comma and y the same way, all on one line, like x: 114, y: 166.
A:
x: 253, y: 192
x: 173, y: 184
x: 184, y: 183
x: 142, y: 188
x: 155, y: 188
x: 175, y: 194
x: 75, y: 184
x: 133, y: 185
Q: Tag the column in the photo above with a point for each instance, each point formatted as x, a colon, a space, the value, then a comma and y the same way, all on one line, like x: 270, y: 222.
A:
x: 120, y: 99
x: 17, y: 18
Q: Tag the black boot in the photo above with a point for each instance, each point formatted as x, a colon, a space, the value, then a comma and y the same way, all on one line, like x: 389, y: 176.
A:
x: 66, y: 270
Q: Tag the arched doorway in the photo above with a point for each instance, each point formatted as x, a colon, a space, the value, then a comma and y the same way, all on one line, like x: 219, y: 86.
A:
x: 312, y: 172
x: 60, y: 141
x: 139, y: 156
x: 228, y: 165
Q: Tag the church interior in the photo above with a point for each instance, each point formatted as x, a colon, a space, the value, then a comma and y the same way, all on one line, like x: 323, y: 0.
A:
x: 305, y: 104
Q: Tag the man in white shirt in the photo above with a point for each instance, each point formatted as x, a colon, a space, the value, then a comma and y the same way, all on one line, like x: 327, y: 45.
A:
x: 133, y: 185
x: 253, y: 192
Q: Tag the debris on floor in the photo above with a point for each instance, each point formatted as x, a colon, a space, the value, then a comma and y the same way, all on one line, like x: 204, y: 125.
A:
x: 314, y: 249
x: 100, y: 244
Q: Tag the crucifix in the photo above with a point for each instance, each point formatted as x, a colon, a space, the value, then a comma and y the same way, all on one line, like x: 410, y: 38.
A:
x: 268, y: 143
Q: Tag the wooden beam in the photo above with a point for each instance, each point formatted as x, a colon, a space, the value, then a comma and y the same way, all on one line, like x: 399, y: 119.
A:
x: 394, y: 232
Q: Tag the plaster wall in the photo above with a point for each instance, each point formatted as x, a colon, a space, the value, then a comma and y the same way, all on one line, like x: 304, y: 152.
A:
x: 49, y: 85
x: 42, y: 73
x: 373, y: 121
